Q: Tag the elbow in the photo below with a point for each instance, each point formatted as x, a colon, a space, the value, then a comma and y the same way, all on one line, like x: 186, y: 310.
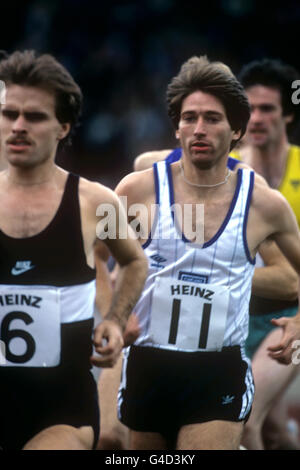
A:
x: 292, y: 288
x: 140, y: 266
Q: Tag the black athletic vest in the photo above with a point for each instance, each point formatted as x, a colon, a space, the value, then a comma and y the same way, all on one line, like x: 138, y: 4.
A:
x: 56, y: 255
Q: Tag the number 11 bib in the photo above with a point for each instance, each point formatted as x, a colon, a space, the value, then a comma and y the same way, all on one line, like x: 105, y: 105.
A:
x: 187, y: 315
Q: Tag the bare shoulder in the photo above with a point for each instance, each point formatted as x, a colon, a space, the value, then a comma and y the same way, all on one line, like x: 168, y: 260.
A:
x: 137, y: 186
x: 258, y: 178
x: 243, y: 166
x: 136, y: 183
x: 145, y: 160
x: 245, y: 153
x: 270, y: 202
x: 93, y: 193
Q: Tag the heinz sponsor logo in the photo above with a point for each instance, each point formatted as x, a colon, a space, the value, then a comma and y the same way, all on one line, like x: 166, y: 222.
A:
x: 196, y: 291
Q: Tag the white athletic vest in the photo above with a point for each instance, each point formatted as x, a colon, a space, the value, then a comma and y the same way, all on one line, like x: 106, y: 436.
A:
x: 196, y: 298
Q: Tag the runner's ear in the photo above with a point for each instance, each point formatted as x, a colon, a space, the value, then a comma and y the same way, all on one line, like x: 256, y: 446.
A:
x: 64, y: 130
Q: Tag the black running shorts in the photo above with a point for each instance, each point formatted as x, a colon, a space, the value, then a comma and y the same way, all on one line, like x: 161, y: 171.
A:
x: 32, y: 400
x: 163, y: 390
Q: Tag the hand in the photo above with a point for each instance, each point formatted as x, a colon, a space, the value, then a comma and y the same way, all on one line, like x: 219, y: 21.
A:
x: 282, y: 352
x: 108, y: 353
x: 132, y: 330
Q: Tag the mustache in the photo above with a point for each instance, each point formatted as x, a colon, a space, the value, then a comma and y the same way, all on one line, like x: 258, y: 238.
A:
x: 256, y: 128
x: 18, y: 139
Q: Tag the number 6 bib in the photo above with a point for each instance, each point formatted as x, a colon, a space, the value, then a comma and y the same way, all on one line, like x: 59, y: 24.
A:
x: 187, y: 315
x: 30, y: 326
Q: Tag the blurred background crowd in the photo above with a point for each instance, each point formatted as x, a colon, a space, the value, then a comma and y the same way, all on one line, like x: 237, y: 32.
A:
x: 124, y: 53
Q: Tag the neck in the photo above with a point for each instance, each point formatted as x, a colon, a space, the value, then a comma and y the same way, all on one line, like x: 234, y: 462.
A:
x: 30, y: 177
x: 274, y: 153
x: 270, y: 161
x: 205, y: 179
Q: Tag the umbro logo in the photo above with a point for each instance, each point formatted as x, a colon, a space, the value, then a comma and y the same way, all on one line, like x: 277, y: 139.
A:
x: 21, y: 267
x: 158, y: 261
x: 227, y: 399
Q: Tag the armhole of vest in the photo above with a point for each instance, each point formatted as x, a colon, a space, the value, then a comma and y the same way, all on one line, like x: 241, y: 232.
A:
x: 250, y: 191
x: 74, y: 194
x: 72, y: 185
x: 156, y: 183
x: 157, y: 200
x: 171, y: 187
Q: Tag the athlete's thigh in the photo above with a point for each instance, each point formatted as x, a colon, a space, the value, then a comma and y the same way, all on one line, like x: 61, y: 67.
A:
x: 62, y: 437
x: 147, y: 441
x: 212, y: 435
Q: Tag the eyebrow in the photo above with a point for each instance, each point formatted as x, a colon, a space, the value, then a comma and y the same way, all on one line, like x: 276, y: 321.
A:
x: 40, y: 113
x: 214, y: 113
x: 28, y: 112
x: 207, y: 113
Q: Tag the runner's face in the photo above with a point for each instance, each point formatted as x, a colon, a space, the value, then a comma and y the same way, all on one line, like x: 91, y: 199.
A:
x: 30, y: 131
x: 266, y: 125
x: 204, y: 131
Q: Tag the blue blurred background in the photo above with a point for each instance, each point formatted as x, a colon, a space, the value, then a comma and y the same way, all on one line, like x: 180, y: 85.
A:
x: 124, y: 53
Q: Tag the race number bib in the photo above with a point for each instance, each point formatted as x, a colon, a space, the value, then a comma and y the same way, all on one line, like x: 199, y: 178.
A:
x: 29, y: 326
x: 188, y: 315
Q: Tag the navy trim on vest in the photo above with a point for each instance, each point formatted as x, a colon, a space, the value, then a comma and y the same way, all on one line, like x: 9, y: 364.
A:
x: 174, y: 156
x: 172, y: 200
x: 230, y: 211
x: 171, y: 187
x: 156, y: 183
x: 251, y: 260
x: 157, y: 199
x: 228, y: 215
x: 232, y: 163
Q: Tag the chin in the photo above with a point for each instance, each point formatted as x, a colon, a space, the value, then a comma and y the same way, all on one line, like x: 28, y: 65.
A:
x: 260, y: 143
x: 19, y: 162
x: 204, y: 165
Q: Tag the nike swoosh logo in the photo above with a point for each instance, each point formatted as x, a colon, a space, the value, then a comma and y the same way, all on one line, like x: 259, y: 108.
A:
x: 17, y: 272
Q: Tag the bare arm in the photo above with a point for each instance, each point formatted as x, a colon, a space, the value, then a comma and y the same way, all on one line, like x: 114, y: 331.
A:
x: 120, y: 241
x: 146, y: 160
x: 106, y: 281
x: 281, y: 222
x: 133, y: 268
x: 277, y: 279
x: 104, y: 286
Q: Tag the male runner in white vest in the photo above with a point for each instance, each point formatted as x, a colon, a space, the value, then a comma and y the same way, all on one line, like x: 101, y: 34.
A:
x: 186, y: 382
